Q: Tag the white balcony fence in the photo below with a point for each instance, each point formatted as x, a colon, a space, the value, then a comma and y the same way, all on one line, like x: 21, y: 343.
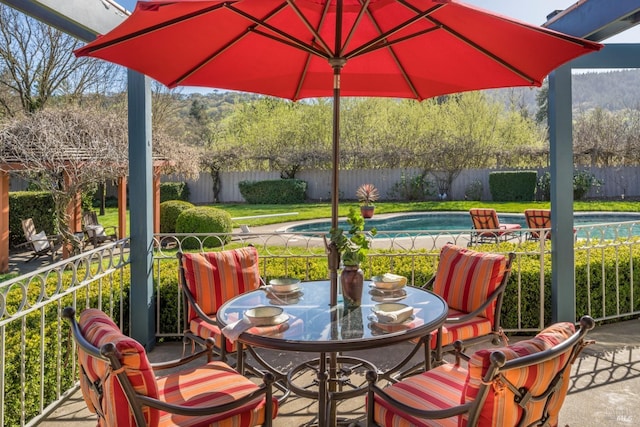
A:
x: 39, y: 368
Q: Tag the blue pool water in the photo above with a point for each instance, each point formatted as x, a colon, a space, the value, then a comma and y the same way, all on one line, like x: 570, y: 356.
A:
x: 458, y: 221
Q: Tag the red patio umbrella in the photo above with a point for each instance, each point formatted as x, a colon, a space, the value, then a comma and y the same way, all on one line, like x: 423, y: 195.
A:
x: 318, y: 48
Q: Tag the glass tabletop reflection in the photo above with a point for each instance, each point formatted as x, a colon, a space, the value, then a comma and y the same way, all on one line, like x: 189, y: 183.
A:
x: 313, y: 325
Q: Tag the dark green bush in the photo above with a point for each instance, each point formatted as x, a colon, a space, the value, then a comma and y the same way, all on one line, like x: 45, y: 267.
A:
x: 583, y: 181
x: 274, y: 192
x: 30, y: 204
x: 513, y: 186
x: 204, y: 219
x: 174, y: 191
x: 169, y: 212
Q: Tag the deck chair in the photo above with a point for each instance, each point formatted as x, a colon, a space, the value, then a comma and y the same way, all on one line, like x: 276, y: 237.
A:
x: 472, y: 284
x: 207, y: 281
x: 119, y: 384
x: 40, y: 243
x: 488, y: 229
x: 539, y: 221
x: 520, y: 385
x: 96, y: 233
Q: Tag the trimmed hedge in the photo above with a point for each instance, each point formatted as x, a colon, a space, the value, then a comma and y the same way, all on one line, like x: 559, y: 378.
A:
x: 274, y: 192
x: 169, y: 213
x: 174, y: 191
x: 30, y: 204
x: 513, y: 186
x: 204, y: 219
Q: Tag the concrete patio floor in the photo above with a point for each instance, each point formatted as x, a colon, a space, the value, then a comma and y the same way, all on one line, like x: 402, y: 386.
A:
x: 605, y: 388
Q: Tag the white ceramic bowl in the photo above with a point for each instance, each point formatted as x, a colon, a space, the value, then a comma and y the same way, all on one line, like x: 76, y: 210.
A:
x: 392, y: 312
x: 264, y: 315
x: 389, y: 282
x: 284, y: 285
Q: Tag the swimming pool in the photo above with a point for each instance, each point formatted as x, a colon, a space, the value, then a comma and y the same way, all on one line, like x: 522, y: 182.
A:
x: 413, y: 223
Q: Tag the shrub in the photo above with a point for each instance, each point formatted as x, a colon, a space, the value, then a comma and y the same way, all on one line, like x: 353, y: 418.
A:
x: 204, y: 219
x: 174, y: 191
x: 513, y: 186
x: 30, y: 204
x: 279, y: 191
x: 473, y: 190
x: 169, y: 212
x: 583, y: 181
x: 412, y: 188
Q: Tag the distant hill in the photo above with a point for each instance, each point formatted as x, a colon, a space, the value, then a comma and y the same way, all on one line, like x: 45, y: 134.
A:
x: 612, y: 90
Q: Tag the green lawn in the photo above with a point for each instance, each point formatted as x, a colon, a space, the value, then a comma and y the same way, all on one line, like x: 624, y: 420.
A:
x: 323, y: 210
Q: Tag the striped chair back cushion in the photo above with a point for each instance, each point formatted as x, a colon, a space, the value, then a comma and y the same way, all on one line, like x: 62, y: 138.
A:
x: 484, y: 219
x: 99, y: 329
x: 466, y: 278
x: 215, y: 277
x: 499, y: 408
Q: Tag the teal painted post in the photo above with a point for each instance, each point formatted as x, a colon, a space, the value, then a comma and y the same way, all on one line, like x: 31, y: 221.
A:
x: 141, y: 210
x: 563, y: 295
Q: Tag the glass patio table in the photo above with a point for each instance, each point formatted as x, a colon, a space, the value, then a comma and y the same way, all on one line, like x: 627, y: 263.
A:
x: 316, y: 327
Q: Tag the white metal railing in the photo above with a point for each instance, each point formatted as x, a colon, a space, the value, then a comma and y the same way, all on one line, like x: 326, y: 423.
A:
x: 30, y: 305
x: 38, y: 368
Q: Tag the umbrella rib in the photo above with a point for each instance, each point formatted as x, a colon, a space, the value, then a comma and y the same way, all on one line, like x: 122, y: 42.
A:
x: 98, y: 46
x: 314, y: 32
x: 364, y: 9
x: 367, y: 47
x: 395, y: 58
x: 487, y: 53
x: 284, y: 37
x: 307, y: 62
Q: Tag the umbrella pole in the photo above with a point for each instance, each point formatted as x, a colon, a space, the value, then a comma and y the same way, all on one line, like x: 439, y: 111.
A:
x: 334, y: 255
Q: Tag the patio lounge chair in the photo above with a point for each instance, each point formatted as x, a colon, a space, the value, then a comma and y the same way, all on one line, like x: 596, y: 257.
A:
x: 539, y: 221
x: 488, y: 228
x: 96, y: 233
x: 523, y: 384
x: 39, y: 242
x: 207, y: 281
x: 119, y: 384
x: 473, y: 284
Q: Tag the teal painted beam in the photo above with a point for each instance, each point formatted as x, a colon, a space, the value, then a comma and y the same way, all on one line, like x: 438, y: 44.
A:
x: 563, y: 294
x: 613, y: 55
x: 141, y: 209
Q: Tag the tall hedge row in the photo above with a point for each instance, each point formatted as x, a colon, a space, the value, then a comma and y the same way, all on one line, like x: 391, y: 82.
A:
x: 30, y: 204
x: 273, y: 192
x: 513, y: 186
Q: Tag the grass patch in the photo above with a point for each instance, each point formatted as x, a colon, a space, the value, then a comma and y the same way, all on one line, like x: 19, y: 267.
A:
x: 307, y: 211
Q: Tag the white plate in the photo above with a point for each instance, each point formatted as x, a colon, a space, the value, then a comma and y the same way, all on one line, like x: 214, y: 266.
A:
x: 289, y: 292
x: 375, y: 321
x: 277, y: 320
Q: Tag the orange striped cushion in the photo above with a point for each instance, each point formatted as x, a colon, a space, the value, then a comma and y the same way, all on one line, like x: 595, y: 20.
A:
x: 99, y: 329
x: 499, y: 408
x: 465, y: 278
x: 213, y: 384
x: 475, y: 327
x: 439, y: 388
x: 215, y: 277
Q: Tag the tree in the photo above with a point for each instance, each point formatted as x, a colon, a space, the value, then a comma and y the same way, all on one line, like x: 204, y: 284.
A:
x: 37, y: 62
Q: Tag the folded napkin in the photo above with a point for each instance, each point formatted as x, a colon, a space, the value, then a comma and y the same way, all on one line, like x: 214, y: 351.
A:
x: 396, y: 316
x: 393, y: 278
x: 233, y: 330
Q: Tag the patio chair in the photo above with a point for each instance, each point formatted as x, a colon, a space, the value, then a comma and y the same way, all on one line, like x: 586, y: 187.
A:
x: 539, y: 221
x: 96, y: 233
x: 40, y: 243
x: 119, y: 384
x: 472, y: 284
x: 207, y: 281
x: 488, y: 229
x: 520, y: 385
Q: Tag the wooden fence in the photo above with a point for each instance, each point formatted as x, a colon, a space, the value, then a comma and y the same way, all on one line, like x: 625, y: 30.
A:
x: 618, y: 183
